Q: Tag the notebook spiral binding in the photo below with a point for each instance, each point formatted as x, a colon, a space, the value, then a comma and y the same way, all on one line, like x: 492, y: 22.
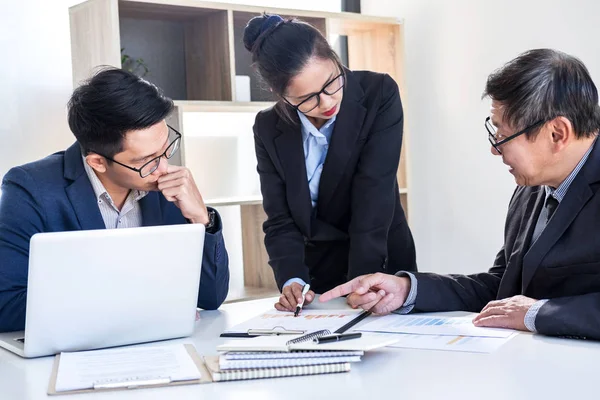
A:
x: 309, y: 337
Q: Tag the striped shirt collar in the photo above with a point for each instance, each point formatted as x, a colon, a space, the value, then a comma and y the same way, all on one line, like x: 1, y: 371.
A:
x: 560, y: 192
x: 99, y: 189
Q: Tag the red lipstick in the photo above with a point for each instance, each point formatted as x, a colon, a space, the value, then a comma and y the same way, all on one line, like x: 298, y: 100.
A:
x: 329, y: 113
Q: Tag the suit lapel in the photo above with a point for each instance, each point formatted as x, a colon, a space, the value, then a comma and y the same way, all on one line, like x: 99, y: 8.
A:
x: 150, y: 206
x: 80, y: 191
x: 578, y: 194
x: 511, y: 281
x: 291, y: 156
x: 343, y: 140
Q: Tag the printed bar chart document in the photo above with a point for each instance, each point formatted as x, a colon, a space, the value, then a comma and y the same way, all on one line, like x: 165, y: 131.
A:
x: 432, y: 325
x: 468, y: 344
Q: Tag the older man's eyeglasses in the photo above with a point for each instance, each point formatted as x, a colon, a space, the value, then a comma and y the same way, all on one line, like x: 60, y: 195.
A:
x: 312, y: 102
x: 498, y: 140
x: 152, y: 165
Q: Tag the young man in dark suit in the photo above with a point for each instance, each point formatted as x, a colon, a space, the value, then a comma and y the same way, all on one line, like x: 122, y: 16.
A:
x: 115, y: 176
x: 544, y: 122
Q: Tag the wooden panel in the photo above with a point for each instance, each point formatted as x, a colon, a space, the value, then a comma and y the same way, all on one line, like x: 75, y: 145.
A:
x: 401, y: 175
x: 376, y: 50
x: 207, y: 58
x: 380, y: 48
x: 94, y: 37
x: 348, y: 17
x: 162, y: 11
x: 404, y: 202
x: 231, y: 46
x: 257, y: 272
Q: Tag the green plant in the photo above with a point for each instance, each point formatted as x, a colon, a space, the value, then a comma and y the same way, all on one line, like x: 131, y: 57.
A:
x: 135, y: 66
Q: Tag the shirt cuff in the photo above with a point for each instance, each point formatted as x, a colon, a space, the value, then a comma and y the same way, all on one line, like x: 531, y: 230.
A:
x: 410, y: 301
x: 532, y: 314
x: 290, y: 281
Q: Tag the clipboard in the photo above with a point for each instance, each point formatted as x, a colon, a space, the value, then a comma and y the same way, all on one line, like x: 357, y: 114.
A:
x: 127, y: 385
x: 244, y: 330
x: 275, y: 331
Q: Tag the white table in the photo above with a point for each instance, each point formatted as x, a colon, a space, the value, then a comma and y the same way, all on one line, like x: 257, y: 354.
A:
x: 527, y: 367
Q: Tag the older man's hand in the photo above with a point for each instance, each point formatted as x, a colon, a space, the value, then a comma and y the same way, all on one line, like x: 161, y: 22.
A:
x: 505, y: 313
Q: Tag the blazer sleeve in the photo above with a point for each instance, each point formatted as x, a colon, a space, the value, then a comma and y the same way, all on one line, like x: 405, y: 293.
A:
x: 283, y: 239
x: 21, y: 216
x: 459, y: 292
x: 214, y: 278
x: 463, y: 292
x: 573, y: 316
x: 374, y: 186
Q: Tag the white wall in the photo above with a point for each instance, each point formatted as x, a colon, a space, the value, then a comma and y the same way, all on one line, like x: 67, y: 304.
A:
x: 459, y: 191
x: 35, y: 80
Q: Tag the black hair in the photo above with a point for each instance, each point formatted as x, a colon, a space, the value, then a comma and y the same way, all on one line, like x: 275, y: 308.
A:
x: 113, y: 102
x: 542, y: 84
x: 281, y: 48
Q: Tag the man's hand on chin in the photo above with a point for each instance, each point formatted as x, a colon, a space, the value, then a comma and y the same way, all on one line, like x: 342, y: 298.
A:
x: 178, y: 186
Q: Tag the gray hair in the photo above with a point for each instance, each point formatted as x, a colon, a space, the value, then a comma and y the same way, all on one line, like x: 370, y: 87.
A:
x: 542, y: 84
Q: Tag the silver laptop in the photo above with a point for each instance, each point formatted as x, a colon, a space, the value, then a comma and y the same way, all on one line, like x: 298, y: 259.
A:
x: 109, y: 287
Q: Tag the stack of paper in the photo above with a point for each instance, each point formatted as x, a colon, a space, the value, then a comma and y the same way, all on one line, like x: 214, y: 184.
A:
x: 274, y: 356
x: 283, y: 345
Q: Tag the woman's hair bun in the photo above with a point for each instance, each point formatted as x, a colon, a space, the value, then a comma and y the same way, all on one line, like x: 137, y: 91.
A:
x: 257, y: 26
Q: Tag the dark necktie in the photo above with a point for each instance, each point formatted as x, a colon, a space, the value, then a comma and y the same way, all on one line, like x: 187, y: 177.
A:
x: 550, y: 205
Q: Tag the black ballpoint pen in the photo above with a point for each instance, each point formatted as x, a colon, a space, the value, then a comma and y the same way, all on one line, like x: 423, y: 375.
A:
x: 338, y: 337
x: 305, y: 290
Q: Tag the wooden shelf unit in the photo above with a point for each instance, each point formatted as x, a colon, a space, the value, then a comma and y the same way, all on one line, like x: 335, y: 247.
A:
x: 194, y: 51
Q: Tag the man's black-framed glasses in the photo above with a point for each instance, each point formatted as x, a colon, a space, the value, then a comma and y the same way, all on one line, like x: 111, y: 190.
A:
x: 152, y: 165
x: 312, y: 102
x: 493, y: 133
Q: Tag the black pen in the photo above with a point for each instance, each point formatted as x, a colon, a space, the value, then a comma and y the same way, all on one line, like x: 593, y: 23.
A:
x: 338, y: 337
x: 305, y: 290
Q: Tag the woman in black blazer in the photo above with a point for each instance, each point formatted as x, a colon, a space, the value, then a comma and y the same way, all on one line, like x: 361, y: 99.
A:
x: 327, y: 154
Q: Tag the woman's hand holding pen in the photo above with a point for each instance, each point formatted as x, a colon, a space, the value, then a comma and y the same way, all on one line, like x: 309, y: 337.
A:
x: 291, y: 296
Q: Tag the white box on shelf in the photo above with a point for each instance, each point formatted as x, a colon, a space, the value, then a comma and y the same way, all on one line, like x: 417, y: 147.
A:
x: 219, y: 150
x: 242, y: 88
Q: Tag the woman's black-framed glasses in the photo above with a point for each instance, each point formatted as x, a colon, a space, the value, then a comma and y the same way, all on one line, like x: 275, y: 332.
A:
x: 493, y: 134
x: 312, y: 102
x: 152, y: 165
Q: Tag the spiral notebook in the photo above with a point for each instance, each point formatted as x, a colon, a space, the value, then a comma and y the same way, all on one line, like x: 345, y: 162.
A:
x: 268, y: 355
x: 220, y: 375
x: 225, y: 364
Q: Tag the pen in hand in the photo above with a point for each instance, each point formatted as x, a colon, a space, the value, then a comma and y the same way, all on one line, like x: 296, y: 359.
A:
x: 305, y: 290
x: 338, y: 337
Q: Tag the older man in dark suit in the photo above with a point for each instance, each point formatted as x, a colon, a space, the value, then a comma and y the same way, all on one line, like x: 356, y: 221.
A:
x: 544, y: 122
